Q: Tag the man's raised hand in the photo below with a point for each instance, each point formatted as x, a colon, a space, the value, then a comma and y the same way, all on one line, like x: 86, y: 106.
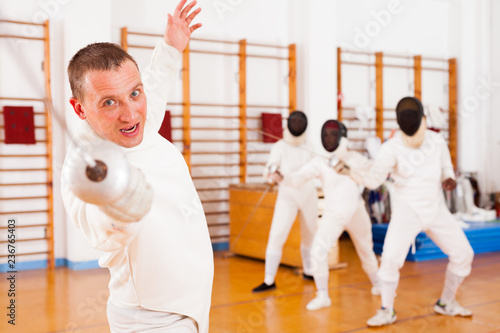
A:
x: 178, y: 31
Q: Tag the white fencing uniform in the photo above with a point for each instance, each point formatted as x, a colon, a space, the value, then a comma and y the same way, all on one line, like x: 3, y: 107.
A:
x: 417, y: 205
x: 344, y: 210
x: 164, y: 262
x: 291, y: 200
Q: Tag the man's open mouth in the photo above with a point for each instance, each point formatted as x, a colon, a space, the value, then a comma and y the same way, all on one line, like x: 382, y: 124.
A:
x: 130, y: 129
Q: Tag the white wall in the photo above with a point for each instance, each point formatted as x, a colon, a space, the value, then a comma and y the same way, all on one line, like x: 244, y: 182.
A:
x: 440, y: 28
x: 312, y: 31
x: 478, y: 92
x: 493, y: 146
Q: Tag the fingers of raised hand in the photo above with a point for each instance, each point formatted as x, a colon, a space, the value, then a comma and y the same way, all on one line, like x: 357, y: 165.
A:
x: 178, y: 9
x: 194, y: 27
x: 187, y: 9
x: 191, y: 16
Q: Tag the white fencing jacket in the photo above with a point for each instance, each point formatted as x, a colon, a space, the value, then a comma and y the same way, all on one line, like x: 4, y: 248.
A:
x: 164, y: 262
x: 289, y: 158
x: 341, y: 192
x: 417, y: 173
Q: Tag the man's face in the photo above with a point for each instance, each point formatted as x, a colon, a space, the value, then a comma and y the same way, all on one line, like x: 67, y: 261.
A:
x: 331, y: 139
x: 114, y: 104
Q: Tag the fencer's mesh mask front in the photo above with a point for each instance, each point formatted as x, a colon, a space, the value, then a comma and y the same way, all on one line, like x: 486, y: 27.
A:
x: 409, y: 113
x: 331, y: 133
x: 297, y: 123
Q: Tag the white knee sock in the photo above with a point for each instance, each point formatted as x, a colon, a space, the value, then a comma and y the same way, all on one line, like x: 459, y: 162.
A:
x: 388, y: 293
x: 272, y: 264
x: 306, y: 259
x: 321, y: 285
x: 451, y: 284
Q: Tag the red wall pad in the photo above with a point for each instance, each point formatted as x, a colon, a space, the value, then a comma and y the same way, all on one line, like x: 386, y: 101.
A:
x: 271, y: 124
x: 19, y: 124
x: 166, y: 127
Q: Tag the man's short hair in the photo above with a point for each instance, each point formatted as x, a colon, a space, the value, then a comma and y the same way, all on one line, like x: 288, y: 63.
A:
x: 94, y: 57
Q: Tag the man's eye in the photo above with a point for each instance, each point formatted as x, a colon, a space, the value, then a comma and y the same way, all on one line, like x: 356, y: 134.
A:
x: 109, y: 102
x: 135, y: 93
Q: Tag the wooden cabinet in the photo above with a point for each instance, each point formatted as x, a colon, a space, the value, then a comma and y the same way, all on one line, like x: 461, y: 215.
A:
x: 249, y: 237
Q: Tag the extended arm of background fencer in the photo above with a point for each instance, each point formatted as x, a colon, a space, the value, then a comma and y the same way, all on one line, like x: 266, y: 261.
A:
x: 158, y: 79
x: 308, y: 171
x: 379, y: 170
x: 357, y: 161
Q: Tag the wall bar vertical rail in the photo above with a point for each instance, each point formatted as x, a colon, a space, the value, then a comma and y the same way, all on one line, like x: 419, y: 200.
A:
x: 339, y: 83
x: 186, y: 109
x: 124, y: 38
x: 452, y: 113
x: 48, y: 121
x: 243, y: 110
x: 379, y: 92
x: 417, y: 63
x: 292, y: 77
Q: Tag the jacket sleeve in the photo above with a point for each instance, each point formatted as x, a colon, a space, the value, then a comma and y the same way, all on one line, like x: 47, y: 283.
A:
x: 379, y: 170
x: 103, y: 232
x: 158, y: 78
x: 358, y: 161
x: 307, y: 172
x: 446, y: 165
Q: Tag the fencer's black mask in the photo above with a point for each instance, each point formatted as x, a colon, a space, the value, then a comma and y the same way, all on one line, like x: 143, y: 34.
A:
x: 344, y: 129
x: 297, y: 123
x: 331, y: 133
x: 409, y: 113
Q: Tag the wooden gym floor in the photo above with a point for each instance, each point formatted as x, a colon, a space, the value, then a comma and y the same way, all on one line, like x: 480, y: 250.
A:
x: 75, y: 301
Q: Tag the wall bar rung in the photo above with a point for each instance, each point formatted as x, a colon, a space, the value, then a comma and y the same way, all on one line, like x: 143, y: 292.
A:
x: 21, y: 37
x: 27, y: 226
x: 214, y: 177
x: 21, y: 99
x: 25, y: 198
x: 215, y: 52
x: 24, y: 212
x: 21, y: 22
x: 25, y: 254
x: 26, y: 240
x: 217, y: 213
x: 215, y: 152
x: 23, y: 184
x: 209, y: 189
x: 142, y: 46
x: 27, y: 170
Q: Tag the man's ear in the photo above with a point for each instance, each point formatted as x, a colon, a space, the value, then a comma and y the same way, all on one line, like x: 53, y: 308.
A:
x: 78, y: 107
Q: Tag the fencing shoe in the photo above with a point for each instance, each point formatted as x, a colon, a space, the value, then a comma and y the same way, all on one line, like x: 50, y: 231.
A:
x: 383, y: 317
x: 307, y: 277
x: 320, y: 301
x: 264, y: 287
x: 452, y: 309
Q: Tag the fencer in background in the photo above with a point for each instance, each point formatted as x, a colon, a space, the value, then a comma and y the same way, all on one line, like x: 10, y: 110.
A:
x: 154, y: 233
x: 465, y: 206
x: 344, y: 210
x: 420, y: 165
x: 288, y: 155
